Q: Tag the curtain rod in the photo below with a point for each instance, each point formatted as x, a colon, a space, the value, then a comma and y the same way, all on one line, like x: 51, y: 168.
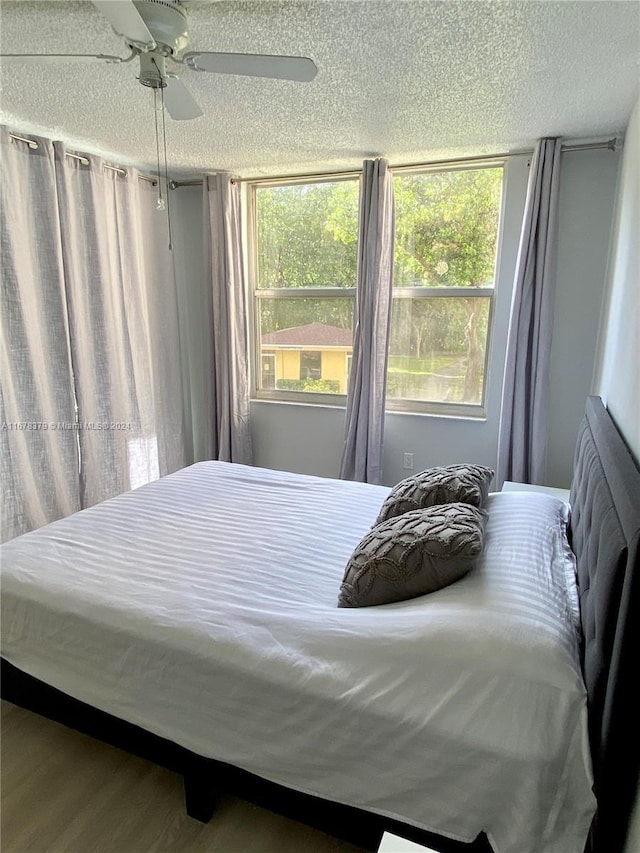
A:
x: 611, y: 144
x: 33, y: 144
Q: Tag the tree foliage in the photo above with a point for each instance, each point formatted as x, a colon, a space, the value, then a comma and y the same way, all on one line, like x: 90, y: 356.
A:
x: 276, y: 314
x: 307, y: 235
x: 446, y: 228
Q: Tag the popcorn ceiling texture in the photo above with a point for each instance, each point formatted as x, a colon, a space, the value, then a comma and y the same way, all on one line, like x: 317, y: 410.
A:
x: 406, y: 79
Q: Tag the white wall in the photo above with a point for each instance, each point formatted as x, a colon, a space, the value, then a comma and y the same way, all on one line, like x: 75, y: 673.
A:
x: 617, y: 376
x: 618, y: 369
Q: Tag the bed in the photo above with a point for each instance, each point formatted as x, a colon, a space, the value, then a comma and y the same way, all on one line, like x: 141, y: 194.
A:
x: 194, y: 621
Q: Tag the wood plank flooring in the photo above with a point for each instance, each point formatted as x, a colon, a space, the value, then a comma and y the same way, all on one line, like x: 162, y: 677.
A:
x: 63, y: 792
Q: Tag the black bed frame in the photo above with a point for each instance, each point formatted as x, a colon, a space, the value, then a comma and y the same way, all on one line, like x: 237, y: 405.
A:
x: 605, y: 531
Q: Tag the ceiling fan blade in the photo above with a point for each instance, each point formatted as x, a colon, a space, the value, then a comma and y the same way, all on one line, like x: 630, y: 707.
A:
x: 50, y: 58
x: 127, y: 22
x: 180, y: 103
x: 298, y: 68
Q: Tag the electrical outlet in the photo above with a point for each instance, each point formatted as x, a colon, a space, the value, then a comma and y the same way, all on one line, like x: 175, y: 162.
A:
x: 408, y: 461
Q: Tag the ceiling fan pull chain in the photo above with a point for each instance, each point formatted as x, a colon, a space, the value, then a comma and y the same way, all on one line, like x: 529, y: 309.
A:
x: 160, y: 205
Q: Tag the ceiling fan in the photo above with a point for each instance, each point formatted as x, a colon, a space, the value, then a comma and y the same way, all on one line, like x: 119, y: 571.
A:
x: 156, y: 31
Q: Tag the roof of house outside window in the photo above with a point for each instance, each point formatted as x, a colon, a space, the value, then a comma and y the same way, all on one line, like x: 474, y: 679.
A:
x: 312, y: 335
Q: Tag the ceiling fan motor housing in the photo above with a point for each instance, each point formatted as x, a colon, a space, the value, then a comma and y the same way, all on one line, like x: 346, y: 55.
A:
x: 167, y: 23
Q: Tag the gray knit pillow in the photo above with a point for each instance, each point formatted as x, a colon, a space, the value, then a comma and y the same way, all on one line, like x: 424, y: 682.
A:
x: 419, y: 552
x: 468, y: 484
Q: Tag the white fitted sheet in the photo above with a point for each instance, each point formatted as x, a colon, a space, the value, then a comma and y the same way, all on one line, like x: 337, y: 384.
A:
x: 203, y: 608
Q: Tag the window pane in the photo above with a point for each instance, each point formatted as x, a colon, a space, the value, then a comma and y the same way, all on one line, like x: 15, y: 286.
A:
x: 447, y: 228
x: 307, y: 235
x: 437, y: 350
x: 311, y: 364
x: 307, y: 342
x: 268, y: 370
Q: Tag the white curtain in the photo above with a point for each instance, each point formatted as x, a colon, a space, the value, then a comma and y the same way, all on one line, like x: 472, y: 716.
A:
x: 522, y: 442
x: 38, y: 444
x: 90, y: 338
x: 364, y: 431
x: 123, y: 326
x: 230, y: 439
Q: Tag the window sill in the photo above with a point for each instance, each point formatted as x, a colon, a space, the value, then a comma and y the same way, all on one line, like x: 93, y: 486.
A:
x: 305, y: 398
x: 447, y: 410
x: 441, y: 416
x: 340, y: 402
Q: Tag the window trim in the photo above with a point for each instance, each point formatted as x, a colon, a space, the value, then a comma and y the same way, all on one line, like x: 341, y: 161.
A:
x: 441, y: 292
x: 305, y: 292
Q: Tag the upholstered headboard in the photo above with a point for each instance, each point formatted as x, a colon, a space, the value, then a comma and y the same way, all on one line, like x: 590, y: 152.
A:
x: 605, y: 536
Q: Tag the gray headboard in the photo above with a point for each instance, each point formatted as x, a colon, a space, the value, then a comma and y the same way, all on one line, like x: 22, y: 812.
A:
x: 605, y: 536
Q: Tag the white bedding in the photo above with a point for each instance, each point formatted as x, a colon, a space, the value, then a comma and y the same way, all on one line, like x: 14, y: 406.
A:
x: 203, y: 608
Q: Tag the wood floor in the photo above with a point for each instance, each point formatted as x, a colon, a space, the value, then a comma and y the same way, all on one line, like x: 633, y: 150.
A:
x: 63, y: 792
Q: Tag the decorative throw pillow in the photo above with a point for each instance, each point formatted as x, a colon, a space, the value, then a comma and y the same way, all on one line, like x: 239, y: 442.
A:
x: 466, y: 483
x: 416, y: 553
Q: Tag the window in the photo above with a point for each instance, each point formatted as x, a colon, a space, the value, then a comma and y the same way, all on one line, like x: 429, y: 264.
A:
x: 304, y: 269
x: 311, y: 365
x: 305, y: 240
x: 268, y: 369
x: 444, y: 271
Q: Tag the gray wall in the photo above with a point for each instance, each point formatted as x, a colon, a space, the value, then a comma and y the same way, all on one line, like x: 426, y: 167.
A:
x: 308, y: 439
x: 586, y: 208
x: 186, y: 216
x: 301, y: 438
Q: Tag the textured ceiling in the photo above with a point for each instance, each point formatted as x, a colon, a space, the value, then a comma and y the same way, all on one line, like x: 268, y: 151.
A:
x: 405, y: 79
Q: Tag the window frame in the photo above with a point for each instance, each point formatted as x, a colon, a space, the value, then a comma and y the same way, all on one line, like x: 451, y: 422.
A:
x: 312, y: 398
x: 463, y: 411
x: 475, y: 411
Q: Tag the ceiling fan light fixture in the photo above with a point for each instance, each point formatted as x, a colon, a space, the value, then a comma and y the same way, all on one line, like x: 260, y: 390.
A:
x: 152, y: 70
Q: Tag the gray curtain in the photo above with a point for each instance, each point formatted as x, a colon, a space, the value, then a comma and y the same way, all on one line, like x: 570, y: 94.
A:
x: 123, y: 327
x: 364, y: 430
x: 522, y: 439
x: 230, y: 439
x: 39, y: 465
x: 91, y: 389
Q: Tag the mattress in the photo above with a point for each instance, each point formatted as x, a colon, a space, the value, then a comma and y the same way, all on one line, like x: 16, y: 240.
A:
x: 203, y: 607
